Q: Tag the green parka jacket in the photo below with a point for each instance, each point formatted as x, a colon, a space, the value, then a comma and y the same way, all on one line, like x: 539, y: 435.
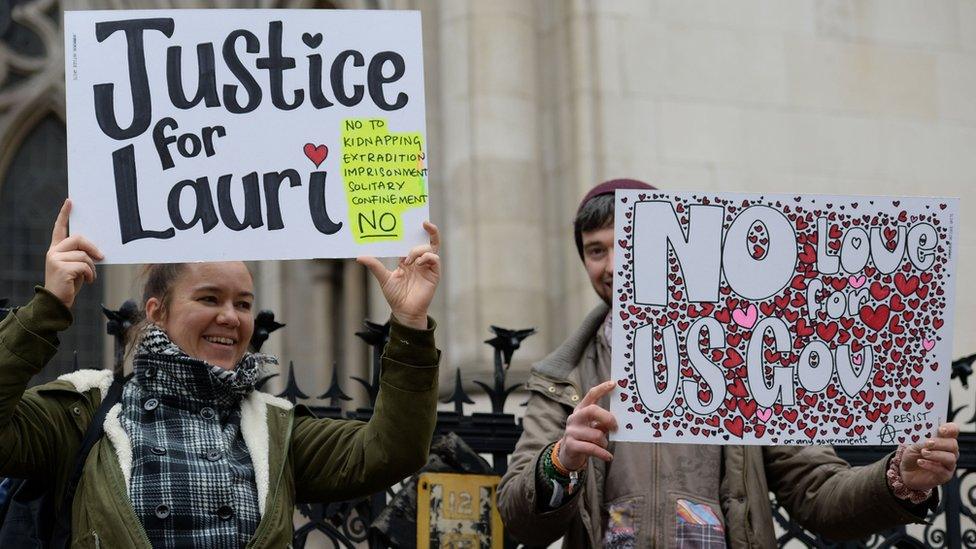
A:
x: 297, y: 457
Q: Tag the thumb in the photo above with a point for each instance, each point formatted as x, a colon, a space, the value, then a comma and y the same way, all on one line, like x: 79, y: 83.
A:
x: 375, y: 266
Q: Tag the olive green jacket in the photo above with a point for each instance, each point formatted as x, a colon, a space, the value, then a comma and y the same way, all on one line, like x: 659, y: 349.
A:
x: 297, y: 457
x: 820, y: 491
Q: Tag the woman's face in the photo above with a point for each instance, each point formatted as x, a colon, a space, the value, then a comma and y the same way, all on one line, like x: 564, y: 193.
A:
x: 209, y: 314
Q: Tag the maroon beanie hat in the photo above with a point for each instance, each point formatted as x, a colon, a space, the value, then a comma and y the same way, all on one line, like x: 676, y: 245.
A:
x: 609, y: 187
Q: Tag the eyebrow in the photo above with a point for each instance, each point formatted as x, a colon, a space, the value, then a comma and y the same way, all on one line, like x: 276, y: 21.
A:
x: 218, y: 289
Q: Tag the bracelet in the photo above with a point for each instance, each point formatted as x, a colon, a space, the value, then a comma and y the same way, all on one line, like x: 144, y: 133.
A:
x: 555, y: 460
x: 897, y: 484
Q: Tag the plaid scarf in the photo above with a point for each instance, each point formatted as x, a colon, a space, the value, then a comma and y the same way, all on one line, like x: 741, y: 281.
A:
x: 192, y: 482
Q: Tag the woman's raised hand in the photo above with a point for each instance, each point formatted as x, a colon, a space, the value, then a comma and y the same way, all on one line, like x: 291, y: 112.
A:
x: 70, y: 260
x: 410, y: 288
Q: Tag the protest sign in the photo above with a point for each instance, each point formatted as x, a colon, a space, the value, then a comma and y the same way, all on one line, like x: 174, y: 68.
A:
x: 200, y: 135
x: 774, y: 319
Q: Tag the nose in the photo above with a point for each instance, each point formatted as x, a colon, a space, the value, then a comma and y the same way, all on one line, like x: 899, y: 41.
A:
x: 608, y: 266
x: 228, y: 317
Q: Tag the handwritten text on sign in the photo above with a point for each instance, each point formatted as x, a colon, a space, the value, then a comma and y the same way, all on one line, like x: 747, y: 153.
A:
x: 233, y: 134
x: 781, y: 319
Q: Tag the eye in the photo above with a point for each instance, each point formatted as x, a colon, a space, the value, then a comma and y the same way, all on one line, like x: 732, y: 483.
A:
x: 208, y: 299
x: 595, y: 252
x: 244, y: 305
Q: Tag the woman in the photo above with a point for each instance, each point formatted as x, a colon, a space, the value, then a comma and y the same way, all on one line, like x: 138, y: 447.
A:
x: 193, y: 456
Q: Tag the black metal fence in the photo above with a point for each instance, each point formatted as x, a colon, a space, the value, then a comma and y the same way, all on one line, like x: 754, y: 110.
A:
x: 347, y: 524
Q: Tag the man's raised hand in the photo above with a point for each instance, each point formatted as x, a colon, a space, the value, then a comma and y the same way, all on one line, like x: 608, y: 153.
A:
x: 586, y: 430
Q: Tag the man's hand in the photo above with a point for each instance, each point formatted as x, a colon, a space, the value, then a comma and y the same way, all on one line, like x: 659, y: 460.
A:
x: 70, y: 261
x: 929, y: 464
x: 586, y: 430
x: 409, y: 288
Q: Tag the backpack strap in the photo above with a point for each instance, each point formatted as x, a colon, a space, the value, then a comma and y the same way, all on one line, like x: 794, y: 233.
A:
x: 61, y: 536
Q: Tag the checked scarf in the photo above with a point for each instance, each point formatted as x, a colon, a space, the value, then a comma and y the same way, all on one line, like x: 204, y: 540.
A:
x: 192, y: 481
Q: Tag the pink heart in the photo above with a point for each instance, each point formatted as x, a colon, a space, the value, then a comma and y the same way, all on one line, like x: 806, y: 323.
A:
x: 764, y: 414
x: 928, y: 344
x: 746, y: 317
x: 857, y: 281
x: 856, y: 359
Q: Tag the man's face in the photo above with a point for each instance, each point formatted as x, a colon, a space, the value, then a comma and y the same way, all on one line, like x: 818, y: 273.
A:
x: 598, y: 260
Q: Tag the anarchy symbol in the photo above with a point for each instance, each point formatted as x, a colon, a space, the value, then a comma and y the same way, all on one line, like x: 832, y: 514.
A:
x: 887, y: 434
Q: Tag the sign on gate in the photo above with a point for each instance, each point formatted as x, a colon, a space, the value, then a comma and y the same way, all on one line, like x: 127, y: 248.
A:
x: 458, y: 512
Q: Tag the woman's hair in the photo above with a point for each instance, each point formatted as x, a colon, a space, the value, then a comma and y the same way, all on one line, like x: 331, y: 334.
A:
x: 160, y: 279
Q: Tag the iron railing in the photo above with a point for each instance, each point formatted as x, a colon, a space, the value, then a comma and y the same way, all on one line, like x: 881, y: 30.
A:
x: 347, y: 524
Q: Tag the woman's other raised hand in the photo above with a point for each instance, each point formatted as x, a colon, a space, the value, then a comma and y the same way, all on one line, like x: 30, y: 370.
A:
x: 410, y: 287
x: 70, y: 260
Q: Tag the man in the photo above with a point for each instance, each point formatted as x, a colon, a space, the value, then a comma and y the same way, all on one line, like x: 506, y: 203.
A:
x: 665, y: 495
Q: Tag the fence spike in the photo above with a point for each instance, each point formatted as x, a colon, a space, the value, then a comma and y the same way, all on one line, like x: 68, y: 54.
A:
x: 335, y: 394
x: 292, y: 392
x: 459, y: 398
x: 264, y: 325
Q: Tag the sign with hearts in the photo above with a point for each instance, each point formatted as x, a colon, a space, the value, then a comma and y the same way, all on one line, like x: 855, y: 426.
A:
x: 775, y: 319
x: 198, y: 135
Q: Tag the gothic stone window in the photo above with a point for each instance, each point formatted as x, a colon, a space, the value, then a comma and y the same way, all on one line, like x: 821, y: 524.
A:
x: 31, y: 193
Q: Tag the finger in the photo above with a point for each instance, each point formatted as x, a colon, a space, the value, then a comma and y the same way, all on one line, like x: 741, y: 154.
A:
x: 935, y: 467
x: 74, y: 256
x: 60, y: 231
x: 588, y: 434
x: 946, y: 459
x: 80, y: 271
x: 596, y: 393
x: 588, y: 449
x: 435, y: 236
x: 429, y: 258
x: 378, y: 269
x: 414, y: 253
x: 78, y: 242
x: 943, y: 444
x: 594, y: 414
x: 948, y: 430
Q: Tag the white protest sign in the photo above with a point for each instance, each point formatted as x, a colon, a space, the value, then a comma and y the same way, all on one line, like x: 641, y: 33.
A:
x: 200, y: 135
x: 775, y: 319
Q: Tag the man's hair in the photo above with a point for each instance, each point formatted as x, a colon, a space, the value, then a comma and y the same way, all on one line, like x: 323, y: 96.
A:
x: 595, y: 214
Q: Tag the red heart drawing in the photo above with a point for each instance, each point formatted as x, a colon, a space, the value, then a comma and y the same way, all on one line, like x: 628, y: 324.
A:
x: 316, y: 154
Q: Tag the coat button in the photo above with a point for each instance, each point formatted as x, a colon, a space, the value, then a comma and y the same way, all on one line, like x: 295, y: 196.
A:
x: 151, y: 404
x: 207, y: 413
x: 552, y: 389
x: 158, y: 450
x: 162, y: 511
x: 213, y: 455
x: 150, y: 372
x: 574, y: 398
x: 76, y: 410
x: 225, y: 512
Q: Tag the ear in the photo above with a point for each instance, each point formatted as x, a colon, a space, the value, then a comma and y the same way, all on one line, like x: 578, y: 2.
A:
x: 154, y: 310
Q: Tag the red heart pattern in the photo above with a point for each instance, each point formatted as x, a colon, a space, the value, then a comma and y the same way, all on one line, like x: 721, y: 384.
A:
x: 899, y: 317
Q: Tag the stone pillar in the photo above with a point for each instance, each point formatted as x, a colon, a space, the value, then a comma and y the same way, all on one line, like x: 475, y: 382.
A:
x: 494, y: 194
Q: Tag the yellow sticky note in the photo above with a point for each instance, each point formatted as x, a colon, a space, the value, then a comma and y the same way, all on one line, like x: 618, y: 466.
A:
x: 383, y: 175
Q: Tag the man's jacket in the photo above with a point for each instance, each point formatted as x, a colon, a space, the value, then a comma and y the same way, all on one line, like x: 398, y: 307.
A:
x: 297, y: 458
x: 818, y: 489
